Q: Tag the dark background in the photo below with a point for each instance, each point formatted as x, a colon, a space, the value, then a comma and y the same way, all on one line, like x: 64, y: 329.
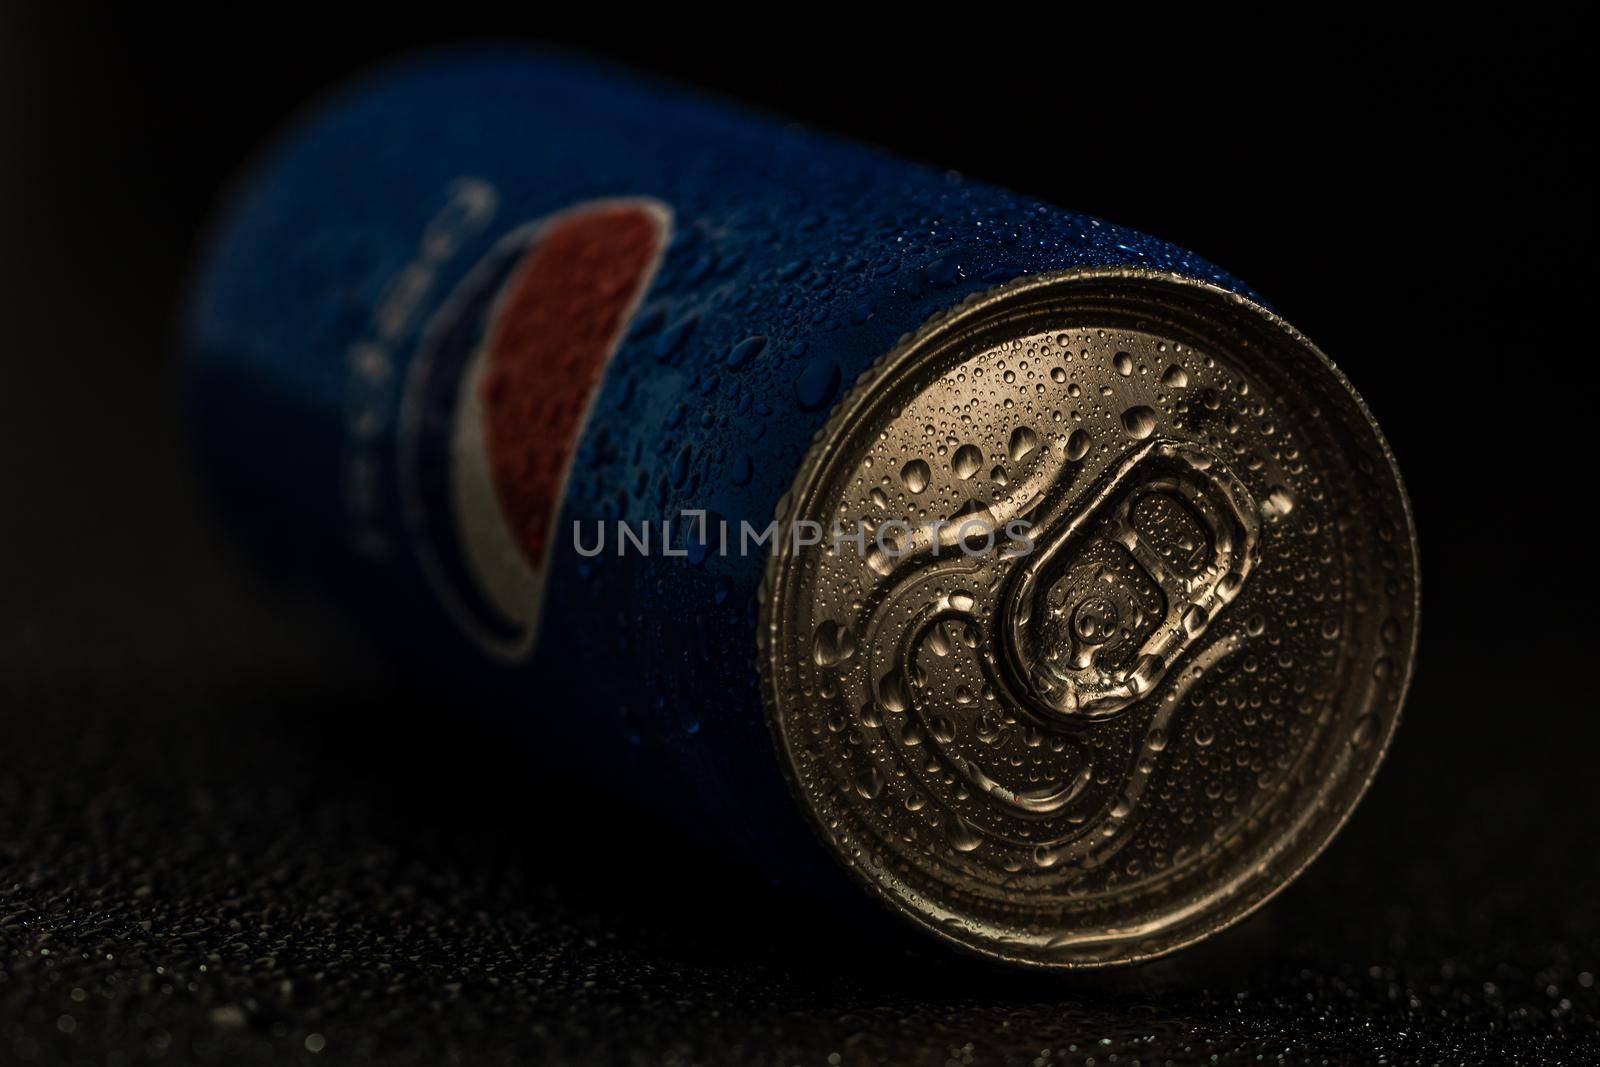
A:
x: 231, y: 831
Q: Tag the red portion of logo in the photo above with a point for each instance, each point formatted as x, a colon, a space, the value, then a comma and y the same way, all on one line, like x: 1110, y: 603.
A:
x: 559, y: 321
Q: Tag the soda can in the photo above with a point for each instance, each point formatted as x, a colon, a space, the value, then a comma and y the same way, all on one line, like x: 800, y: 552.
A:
x: 1062, y: 589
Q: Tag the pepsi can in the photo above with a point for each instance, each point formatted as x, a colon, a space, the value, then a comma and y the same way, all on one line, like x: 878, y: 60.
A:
x: 1026, y: 567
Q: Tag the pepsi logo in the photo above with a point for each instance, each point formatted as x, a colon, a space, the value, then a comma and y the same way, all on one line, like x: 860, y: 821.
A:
x: 497, y: 400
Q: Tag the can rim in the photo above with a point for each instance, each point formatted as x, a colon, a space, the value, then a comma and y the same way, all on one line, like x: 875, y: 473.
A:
x: 824, y: 447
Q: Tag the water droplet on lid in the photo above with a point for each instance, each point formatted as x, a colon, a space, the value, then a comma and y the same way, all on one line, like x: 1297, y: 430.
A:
x: 1139, y: 421
x: 1175, y: 377
x: 1279, y: 503
x: 1365, y: 730
x: 963, y: 837
x: 832, y: 644
x: 1094, y: 620
x: 966, y: 461
x: 1123, y: 362
x: 915, y: 475
x: 892, y: 692
x: 1023, y: 442
x: 1077, y: 444
x: 988, y: 728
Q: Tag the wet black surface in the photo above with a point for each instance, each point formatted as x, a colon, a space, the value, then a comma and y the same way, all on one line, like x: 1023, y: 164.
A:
x: 231, y: 832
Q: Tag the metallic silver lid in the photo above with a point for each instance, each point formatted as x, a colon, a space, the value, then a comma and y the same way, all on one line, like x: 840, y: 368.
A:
x: 1110, y: 623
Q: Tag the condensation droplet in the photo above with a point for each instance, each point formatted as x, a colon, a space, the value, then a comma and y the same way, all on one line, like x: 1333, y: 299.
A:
x: 915, y: 475
x: 892, y: 692
x: 965, y: 463
x: 832, y: 644
x: 1139, y: 421
x: 963, y: 838
x: 1278, y: 504
x: 1023, y: 442
x: 1365, y: 730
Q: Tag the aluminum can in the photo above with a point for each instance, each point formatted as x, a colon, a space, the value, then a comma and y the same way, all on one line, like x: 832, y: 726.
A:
x: 1027, y: 568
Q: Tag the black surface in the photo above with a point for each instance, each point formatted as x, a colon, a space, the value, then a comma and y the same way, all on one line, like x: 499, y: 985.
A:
x: 232, y: 832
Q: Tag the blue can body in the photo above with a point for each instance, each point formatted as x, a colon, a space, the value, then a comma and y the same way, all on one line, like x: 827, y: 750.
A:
x: 793, y: 262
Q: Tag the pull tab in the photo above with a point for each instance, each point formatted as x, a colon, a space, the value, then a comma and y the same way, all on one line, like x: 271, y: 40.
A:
x: 1095, y: 618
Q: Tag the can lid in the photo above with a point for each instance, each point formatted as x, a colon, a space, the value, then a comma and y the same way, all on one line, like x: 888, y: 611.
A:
x: 1110, y: 621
